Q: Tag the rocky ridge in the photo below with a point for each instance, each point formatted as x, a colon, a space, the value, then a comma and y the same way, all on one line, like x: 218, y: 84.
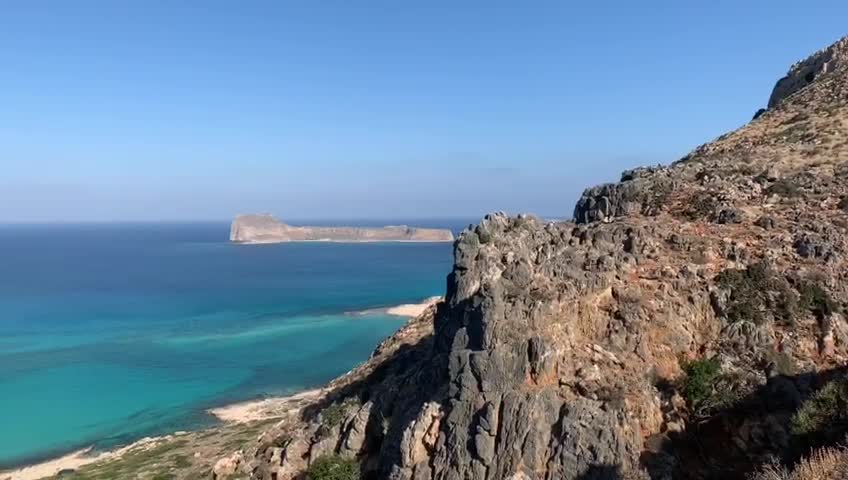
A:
x: 673, y: 330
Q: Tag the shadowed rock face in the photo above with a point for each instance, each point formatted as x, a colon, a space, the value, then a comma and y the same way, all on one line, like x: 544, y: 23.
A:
x: 267, y: 229
x: 559, y: 351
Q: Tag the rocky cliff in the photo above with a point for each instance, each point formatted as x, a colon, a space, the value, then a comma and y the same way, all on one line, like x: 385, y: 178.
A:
x: 688, y: 324
x: 267, y: 229
x: 806, y: 71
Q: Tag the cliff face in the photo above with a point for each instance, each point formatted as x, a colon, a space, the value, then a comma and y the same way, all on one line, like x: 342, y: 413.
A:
x: 673, y: 330
x: 267, y: 229
x: 803, y: 73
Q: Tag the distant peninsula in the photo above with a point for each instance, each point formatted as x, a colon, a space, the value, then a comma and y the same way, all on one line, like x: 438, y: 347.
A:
x: 265, y: 228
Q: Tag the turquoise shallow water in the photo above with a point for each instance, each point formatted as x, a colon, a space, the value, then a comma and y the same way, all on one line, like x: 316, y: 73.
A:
x: 113, y: 332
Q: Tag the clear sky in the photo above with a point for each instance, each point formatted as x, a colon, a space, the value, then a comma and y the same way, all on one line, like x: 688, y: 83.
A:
x: 180, y: 110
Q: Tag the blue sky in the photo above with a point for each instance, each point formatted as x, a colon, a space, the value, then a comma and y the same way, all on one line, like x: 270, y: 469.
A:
x: 163, y: 110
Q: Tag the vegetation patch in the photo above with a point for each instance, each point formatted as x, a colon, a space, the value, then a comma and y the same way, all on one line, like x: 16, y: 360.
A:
x: 784, y: 188
x: 826, y: 411
x: 701, y: 205
x: 757, y: 293
x: 181, y: 461
x: 143, y: 463
x: 797, y: 133
x: 333, y: 467
x: 815, y: 298
x: 334, y: 414
x: 699, y: 385
x: 824, y: 464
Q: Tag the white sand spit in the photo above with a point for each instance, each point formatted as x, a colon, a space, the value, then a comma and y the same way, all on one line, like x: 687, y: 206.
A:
x: 267, y: 408
x: 413, y: 309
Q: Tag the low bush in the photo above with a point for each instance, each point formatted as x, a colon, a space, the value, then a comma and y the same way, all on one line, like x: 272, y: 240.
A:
x: 824, y: 464
x: 334, y: 413
x: 816, y: 299
x: 825, y: 413
x: 701, y: 377
x: 333, y: 467
x: 758, y: 293
x: 701, y: 205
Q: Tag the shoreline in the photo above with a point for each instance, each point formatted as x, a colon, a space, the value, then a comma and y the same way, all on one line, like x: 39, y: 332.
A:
x: 81, y: 458
x: 244, y: 412
x: 241, y: 412
x: 266, y: 408
x: 408, y: 310
x: 412, y: 310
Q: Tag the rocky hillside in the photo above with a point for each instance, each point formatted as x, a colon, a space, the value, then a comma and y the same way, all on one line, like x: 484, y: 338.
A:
x: 688, y: 324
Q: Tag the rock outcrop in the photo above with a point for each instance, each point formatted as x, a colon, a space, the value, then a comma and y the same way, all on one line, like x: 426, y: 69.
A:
x: 672, y: 330
x: 807, y: 71
x: 267, y: 229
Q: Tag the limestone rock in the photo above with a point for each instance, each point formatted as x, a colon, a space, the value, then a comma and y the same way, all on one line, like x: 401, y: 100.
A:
x: 228, y: 466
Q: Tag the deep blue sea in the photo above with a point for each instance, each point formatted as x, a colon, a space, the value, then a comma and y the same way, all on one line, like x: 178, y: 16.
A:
x: 110, y: 332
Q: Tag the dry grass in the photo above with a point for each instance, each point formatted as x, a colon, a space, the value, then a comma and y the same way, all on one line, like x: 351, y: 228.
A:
x: 823, y: 464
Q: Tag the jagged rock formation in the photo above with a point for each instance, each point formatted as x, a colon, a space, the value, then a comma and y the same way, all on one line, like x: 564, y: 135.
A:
x: 808, y: 70
x: 267, y: 229
x: 565, y: 350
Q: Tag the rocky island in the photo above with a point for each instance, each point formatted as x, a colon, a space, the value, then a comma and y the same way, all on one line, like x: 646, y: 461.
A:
x: 264, y: 228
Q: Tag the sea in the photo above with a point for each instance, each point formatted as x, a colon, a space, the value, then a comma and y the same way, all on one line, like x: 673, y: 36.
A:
x: 113, y: 332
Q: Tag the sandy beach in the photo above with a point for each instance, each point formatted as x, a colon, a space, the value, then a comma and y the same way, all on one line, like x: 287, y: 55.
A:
x: 267, y: 408
x: 413, y: 309
x: 80, y: 458
x: 237, y: 413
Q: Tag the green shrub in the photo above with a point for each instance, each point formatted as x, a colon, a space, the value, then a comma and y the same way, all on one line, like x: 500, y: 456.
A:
x: 701, y: 205
x: 827, y: 410
x: 333, y: 467
x: 333, y: 414
x: 816, y: 299
x: 701, y: 377
x: 756, y: 292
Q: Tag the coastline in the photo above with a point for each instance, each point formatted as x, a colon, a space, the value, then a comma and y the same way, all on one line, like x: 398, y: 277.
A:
x: 239, y: 413
x: 413, y: 309
x: 267, y: 408
x: 408, y: 310
x: 81, y: 458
